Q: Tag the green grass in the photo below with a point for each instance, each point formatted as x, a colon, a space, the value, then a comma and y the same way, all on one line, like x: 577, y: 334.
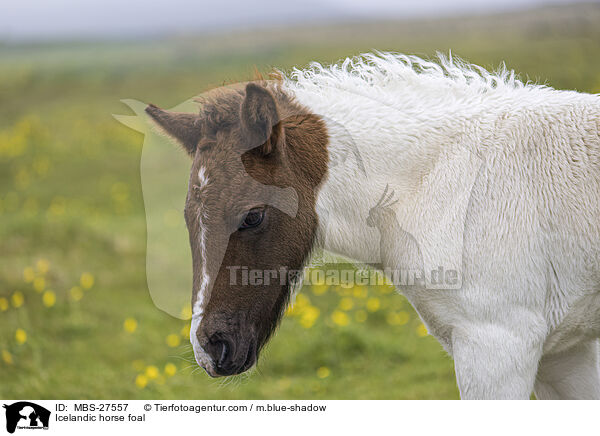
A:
x: 70, y: 194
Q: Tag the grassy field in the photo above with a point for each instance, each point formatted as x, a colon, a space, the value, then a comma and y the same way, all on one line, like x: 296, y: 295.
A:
x: 76, y: 318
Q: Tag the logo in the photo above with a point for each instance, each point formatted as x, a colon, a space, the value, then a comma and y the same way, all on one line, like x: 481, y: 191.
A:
x: 26, y: 415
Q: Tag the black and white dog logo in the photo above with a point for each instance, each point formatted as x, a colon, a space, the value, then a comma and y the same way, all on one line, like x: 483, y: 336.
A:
x: 26, y: 415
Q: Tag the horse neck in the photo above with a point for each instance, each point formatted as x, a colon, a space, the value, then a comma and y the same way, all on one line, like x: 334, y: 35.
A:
x: 370, y: 146
x: 360, y: 167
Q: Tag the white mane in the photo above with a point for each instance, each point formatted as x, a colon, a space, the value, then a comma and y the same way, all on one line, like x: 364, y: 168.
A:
x: 381, y: 68
x: 379, y: 75
x: 391, y: 91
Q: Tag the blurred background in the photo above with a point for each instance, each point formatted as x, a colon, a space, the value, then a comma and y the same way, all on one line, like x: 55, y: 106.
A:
x: 76, y: 318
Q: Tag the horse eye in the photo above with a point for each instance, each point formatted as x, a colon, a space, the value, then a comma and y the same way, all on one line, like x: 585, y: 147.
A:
x: 252, y: 219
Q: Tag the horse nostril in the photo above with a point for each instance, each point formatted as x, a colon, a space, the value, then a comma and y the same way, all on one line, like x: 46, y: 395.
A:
x: 223, y: 354
x: 220, y: 351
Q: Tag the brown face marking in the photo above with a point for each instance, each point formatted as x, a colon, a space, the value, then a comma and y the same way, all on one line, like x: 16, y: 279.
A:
x: 253, y: 149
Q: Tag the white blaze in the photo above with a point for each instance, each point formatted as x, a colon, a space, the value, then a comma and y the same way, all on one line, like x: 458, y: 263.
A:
x: 201, y: 300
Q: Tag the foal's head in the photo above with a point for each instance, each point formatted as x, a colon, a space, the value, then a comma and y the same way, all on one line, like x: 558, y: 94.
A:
x: 258, y: 159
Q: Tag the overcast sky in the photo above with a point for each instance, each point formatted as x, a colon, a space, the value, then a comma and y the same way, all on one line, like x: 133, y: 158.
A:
x: 42, y: 19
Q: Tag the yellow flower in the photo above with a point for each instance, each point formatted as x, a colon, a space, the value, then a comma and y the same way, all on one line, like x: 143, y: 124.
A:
x: 301, y: 301
x: 76, y: 293
x: 170, y: 369
x: 340, y: 318
x: 18, y: 299
x: 141, y: 381
x: 186, y: 312
x: 319, y: 289
x: 42, y: 266
x: 309, y: 316
x: 399, y: 318
x: 86, y: 280
x: 173, y: 340
x: 49, y: 298
x: 323, y: 372
x: 57, y: 207
x: 404, y: 317
x: 360, y: 316
x: 151, y: 372
x: 422, y: 330
x: 346, y: 303
x: 185, y: 331
x: 3, y: 304
x: 39, y: 284
x: 373, y: 304
x: 130, y: 325
x: 28, y: 274
x: 7, y: 357
x: 21, y: 336
x: 360, y: 291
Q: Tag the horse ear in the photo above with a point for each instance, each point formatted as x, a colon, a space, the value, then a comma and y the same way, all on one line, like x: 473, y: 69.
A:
x: 260, y: 119
x: 183, y: 127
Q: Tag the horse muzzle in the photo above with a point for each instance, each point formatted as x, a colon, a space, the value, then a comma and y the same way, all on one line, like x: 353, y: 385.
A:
x: 231, y: 346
